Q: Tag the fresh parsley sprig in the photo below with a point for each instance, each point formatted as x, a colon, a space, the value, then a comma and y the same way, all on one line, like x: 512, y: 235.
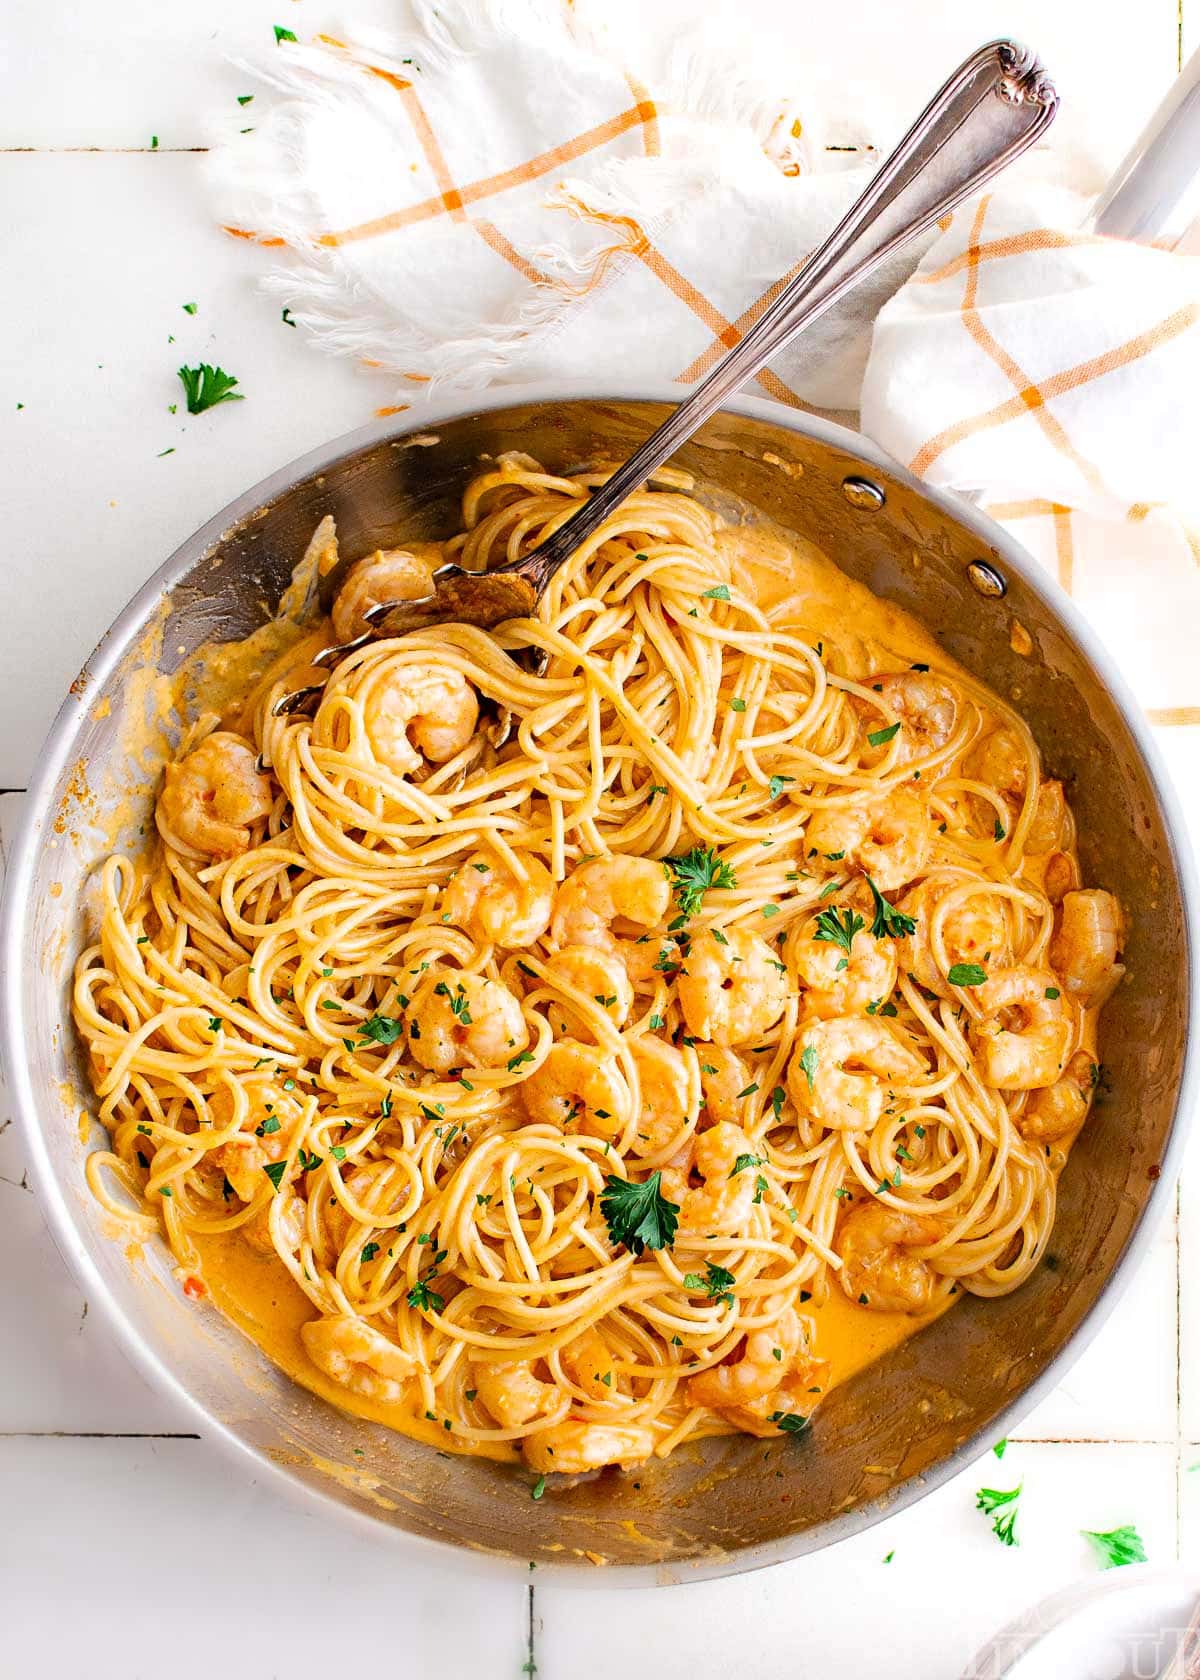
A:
x: 1117, y: 1547
x: 205, y: 387
x: 838, y: 927
x: 639, y: 1215
x: 694, y: 873
x: 717, y: 1283
x: 889, y: 923
x: 1002, y: 1505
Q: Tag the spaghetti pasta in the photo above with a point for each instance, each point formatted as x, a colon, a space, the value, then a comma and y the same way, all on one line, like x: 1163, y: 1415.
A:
x: 573, y: 1010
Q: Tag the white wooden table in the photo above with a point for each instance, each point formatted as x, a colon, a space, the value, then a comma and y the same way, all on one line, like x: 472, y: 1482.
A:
x: 127, y: 1543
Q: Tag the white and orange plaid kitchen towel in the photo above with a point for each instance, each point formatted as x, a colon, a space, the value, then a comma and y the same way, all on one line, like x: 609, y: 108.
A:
x: 493, y: 196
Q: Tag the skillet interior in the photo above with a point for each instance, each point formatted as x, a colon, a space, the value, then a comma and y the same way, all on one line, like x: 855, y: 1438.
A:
x: 726, y: 1504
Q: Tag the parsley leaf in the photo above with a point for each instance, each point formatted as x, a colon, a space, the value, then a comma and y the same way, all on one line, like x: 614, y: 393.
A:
x: 810, y: 1061
x: 694, y: 872
x: 1001, y: 1504
x: 716, y: 1283
x: 538, y: 1488
x: 380, y: 1029
x: 720, y: 593
x: 791, y: 1423
x: 1117, y: 1547
x: 370, y: 1250
x: 205, y: 387
x: 638, y: 1215
x: 776, y: 785
x: 282, y: 34
x: 838, y: 927
x: 966, y: 974
x: 881, y: 737
x: 423, y: 1299
x: 889, y: 923
x: 744, y: 1161
x: 275, y: 1171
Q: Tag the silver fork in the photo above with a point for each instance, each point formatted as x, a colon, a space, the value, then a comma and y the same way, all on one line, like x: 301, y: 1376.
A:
x: 994, y: 107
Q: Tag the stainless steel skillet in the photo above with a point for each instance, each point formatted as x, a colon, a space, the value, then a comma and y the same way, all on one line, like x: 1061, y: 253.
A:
x: 913, y: 1419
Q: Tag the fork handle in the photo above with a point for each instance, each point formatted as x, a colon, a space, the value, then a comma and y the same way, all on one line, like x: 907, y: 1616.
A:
x: 995, y: 105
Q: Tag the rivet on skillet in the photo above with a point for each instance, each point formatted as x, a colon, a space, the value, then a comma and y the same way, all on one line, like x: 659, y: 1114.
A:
x: 862, y: 494
x: 986, y: 580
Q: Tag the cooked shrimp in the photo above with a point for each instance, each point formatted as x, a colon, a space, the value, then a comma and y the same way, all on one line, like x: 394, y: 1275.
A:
x: 463, y: 1020
x: 358, y: 1357
x: 878, y: 1268
x: 211, y: 798
x: 1086, y: 946
x: 578, y: 1083
x: 589, y: 1364
x: 574, y: 1446
x: 926, y: 707
x: 293, y: 1211
x: 379, y: 1188
x: 266, y: 1130
x: 512, y: 1393
x: 724, y: 1081
x: 1023, y: 1034
x: 845, y: 1071
x: 764, y: 1359
x: 599, y: 896
x: 973, y: 930
x: 670, y: 1092
x: 1045, y: 832
x: 497, y: 907
x: 597, y: 974
x: 390, y: 574
x: 888, y: 839
x: 732, y: 989
x: 418, y: 713
x: 1060, y: 876
x: 724, y: 1197
x: 796, y: 1397
x: 1059, y: 1109
x: 1002, y: 761
x: 841, y: 981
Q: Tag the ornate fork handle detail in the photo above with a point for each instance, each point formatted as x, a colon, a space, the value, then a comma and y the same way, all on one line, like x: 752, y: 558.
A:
x: 994, y: 107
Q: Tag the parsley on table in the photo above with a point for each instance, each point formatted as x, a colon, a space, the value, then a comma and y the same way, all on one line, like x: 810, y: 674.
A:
x: 1001, y: 1446
x: 889, y: 923
x: 838, y: 927
x: 205, y: 387
x: 1001, y: 1504
x: 190, y: 308
x: 639, y: 1215
x: 282, y: 34
x: 694, y: 873
x: 966, y: 974
x: 1117, y: 1547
